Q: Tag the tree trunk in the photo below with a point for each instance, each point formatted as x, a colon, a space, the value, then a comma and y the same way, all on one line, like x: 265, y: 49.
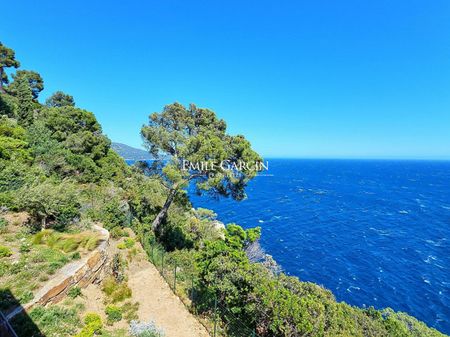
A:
x: 156, y: 225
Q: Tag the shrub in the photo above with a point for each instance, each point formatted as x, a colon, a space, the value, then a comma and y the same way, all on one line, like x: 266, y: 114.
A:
x: 129, y: 242
x: 25, y: 247
x: 116, y: 292
x: 4, y: 268
x: 74, y: 292
x: 113, y: 313
x: 129, y: 311
x: 93, y: 325
x: 117, y: 232
x: 5, y: 251
x: 118, y: 268
x: 138, y: 329
x: 3, y: 225
x: 50, y: 204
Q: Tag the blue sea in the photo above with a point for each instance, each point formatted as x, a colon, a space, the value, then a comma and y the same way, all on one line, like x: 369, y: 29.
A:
x: 374, y: 232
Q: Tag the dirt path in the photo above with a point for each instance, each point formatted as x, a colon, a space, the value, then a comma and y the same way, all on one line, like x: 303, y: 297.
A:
x: 158, y: 303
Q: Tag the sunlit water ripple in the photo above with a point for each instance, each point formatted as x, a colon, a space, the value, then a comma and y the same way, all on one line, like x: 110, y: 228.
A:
x: 374, y: 232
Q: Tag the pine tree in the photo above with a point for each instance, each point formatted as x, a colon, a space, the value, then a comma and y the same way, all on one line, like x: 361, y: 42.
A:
x: 25, y: 100
x: 7, y: 59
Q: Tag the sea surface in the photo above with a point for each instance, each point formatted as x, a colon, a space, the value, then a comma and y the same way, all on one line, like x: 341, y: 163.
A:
x: 374, y: 232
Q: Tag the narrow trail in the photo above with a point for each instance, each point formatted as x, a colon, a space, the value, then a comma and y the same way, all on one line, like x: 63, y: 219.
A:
x: 158, y: 303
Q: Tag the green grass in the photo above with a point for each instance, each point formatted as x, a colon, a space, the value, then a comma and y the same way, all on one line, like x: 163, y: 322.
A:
x: 5, y: 251
x: 66, y: 242
x: 27, y: 260
x: 52, y: 321
x: 115, y: 333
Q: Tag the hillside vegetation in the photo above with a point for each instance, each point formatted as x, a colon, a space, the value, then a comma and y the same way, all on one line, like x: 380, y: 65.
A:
x: 58, y: 167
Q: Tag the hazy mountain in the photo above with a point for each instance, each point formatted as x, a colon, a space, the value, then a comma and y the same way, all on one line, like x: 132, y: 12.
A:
x: 131, y: 153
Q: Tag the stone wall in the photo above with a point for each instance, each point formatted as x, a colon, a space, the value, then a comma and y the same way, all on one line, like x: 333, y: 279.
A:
x: 79, y: 273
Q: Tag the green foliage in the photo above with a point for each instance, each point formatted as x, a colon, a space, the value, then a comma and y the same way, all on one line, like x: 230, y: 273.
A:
x: 126, y: 244
x: 52, y: 321
x: 196, y: 143
x: 113, y: 313
x: 74, y: 292
x: 129, y: 242
x: 8, y: 105
x: 13, y: 143
x: 3, y: 226
x: 59, y: 99
x: 26, y: 105
x: 77, y: 129
x: 239, y: 238
x: 115, y: 333
x: 112, y: 213
x: 54, y: 159
x: 66, y: 242
x: 50, y: 204
x: 116, y: 292
x: 282, y: 305
x: 5, y: 251
x: 7, y: 60
x: 118, y: 232
x: 93, y: 325
x: 34, y: 80
x: 14, y: 175
x: 130, y: 311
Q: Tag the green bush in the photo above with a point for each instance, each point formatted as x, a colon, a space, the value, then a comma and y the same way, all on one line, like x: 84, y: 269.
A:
x: 3, y: 224
x: 93, y: 325
x: 5, y: 251
x: 129, y: 311
x: 118, y: 232
x: 25, y: 247
x: 129, y: 242
x: 113, y: 313
x: 74, y: 292
x: 116, y: 292
x: 50, y: 203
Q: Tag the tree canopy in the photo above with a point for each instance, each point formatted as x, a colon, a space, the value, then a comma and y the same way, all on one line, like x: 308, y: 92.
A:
x: 60, y: 99
x: 35, y: 82
x: 191, y: 145
x: 7, y: 60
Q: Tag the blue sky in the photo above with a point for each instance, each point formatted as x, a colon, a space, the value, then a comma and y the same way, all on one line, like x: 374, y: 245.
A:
x: 340, y: 79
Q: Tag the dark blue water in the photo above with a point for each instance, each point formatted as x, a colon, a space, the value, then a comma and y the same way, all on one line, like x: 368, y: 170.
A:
x: 374, y: 232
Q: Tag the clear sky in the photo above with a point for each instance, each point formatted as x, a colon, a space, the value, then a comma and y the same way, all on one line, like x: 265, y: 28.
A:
x: 341, y: 79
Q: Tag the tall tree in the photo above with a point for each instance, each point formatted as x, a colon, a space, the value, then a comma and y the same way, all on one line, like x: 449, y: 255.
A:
x: 24, y: 96
x: 33, y: 78
x: 191, y: 146
x: 7, y: 59
x: 60, y: 99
